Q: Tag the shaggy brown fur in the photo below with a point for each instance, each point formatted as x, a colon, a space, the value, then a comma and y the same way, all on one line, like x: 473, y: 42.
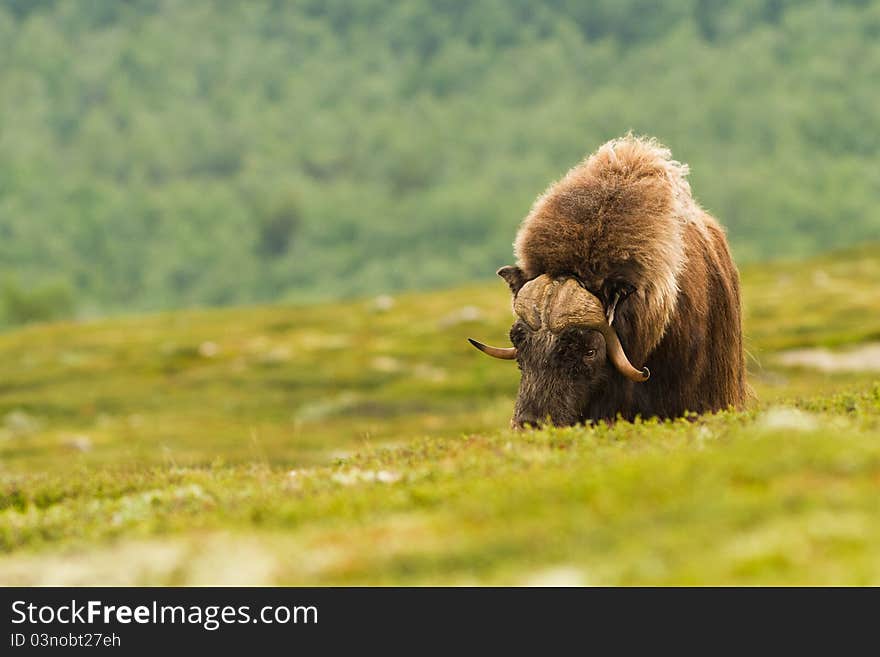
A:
x: 624, y: 220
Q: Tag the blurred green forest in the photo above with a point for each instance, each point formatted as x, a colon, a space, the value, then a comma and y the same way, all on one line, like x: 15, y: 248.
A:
x: 160, y: 154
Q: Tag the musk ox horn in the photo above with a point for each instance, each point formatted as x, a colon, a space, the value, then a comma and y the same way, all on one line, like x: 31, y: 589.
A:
x: 618, y: 356
x: 558, y: 304
x: 504, y: 353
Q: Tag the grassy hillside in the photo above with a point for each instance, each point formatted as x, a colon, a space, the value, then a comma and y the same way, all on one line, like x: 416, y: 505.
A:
x: 158, y: 154
x: 365, y: 443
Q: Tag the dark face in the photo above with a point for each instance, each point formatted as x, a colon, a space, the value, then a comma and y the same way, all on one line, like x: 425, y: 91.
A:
x: 573, y: 366
x: 561, y: 374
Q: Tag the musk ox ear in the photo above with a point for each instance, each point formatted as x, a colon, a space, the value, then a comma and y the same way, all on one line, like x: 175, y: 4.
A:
x: 514, y: 276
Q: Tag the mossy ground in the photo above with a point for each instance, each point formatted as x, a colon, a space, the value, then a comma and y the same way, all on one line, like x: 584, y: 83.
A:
x: 355, y: 443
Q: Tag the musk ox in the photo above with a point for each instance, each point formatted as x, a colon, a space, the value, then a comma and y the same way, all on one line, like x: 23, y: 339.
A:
x: 618, y: 265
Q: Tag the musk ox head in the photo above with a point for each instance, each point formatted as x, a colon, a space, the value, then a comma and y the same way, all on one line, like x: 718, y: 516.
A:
x: 566, y: 348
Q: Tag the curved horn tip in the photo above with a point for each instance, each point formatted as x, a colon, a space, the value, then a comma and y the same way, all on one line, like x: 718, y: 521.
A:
x: 646, y: 374
x: 503, y: 353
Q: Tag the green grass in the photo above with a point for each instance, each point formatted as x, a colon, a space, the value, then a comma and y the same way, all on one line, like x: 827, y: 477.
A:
x: 344, y: 444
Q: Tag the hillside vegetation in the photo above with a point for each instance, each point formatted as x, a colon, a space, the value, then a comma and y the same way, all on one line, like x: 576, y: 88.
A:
x: 163, y: 153
x: 365, y: 443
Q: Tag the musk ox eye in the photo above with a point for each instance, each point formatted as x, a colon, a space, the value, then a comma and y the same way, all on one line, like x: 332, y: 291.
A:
x: 589, y: 355
x: 517, y: 334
